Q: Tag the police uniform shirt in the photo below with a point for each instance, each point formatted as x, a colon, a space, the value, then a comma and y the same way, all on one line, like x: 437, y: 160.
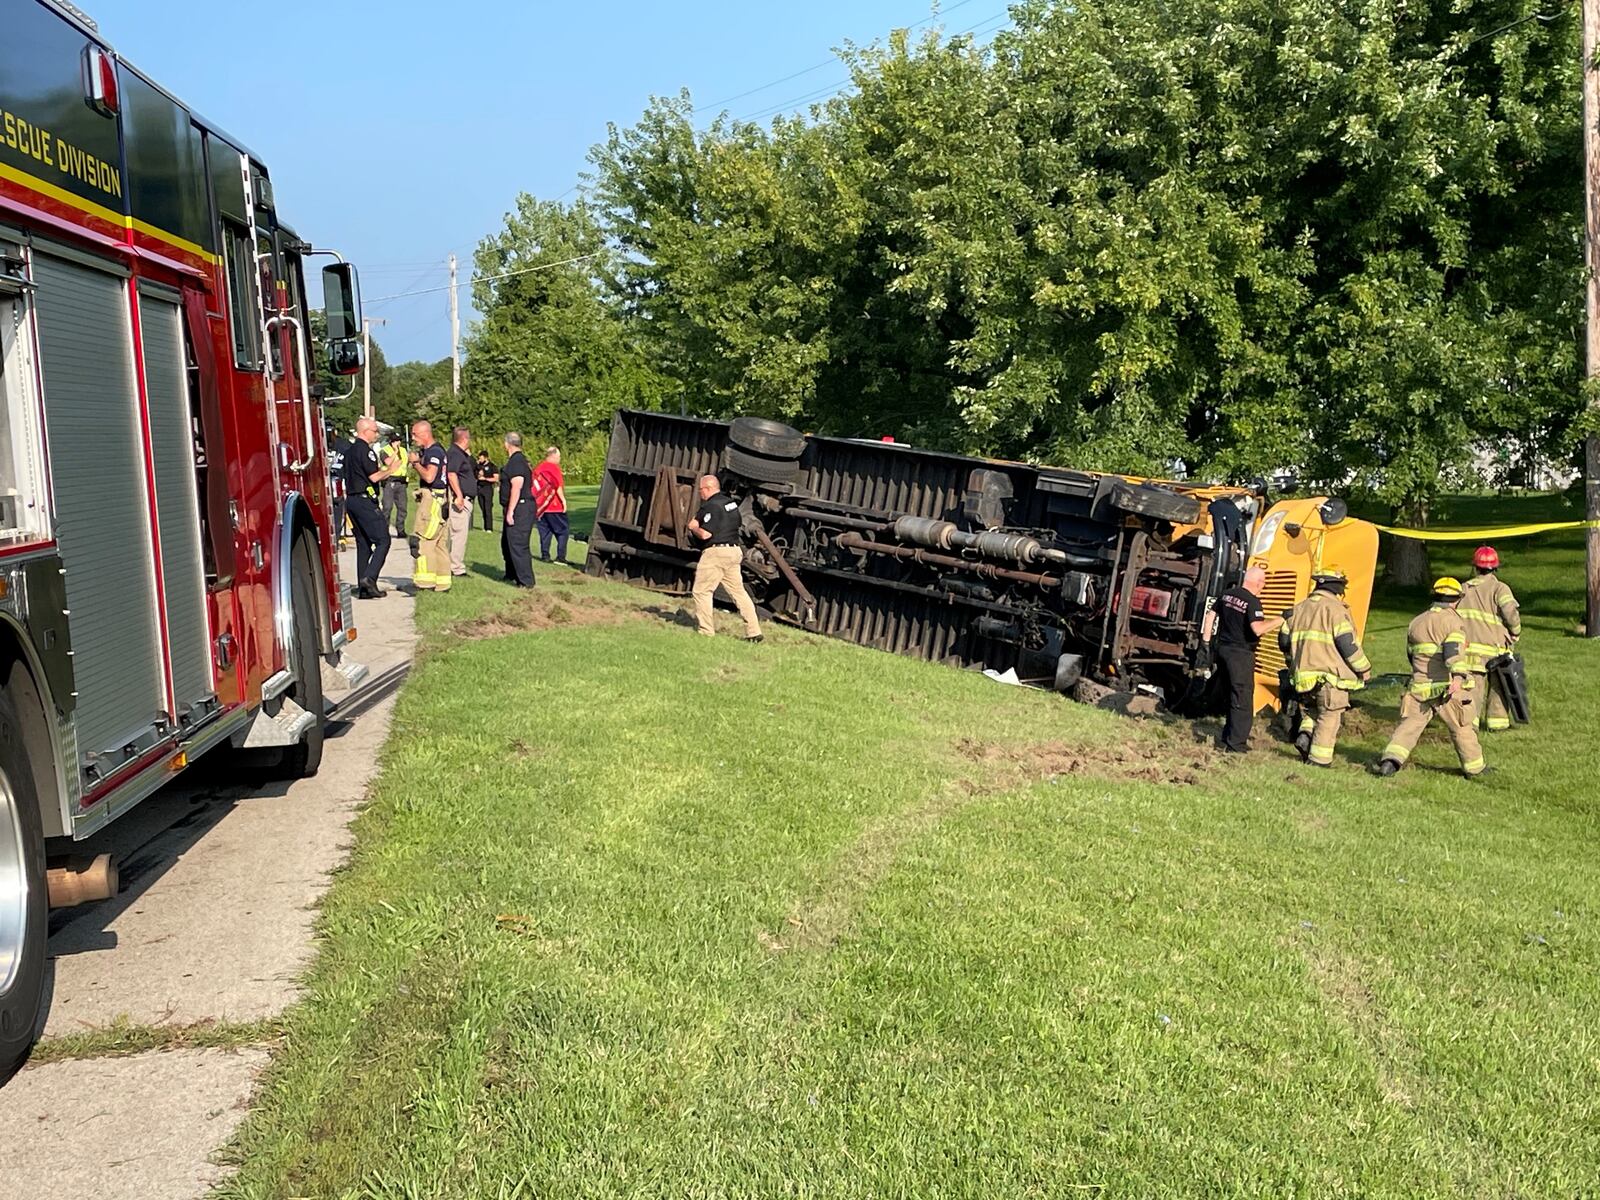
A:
x: 433, y: 456
x: 1236, y: 611
x: 459, y: 463
x: 720, y: 515
x: 516, y: 468
x: 336, y: 456
x: 359, y: 465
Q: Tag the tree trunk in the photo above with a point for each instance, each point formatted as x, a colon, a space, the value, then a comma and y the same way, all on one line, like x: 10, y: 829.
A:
x: 1407, y: 563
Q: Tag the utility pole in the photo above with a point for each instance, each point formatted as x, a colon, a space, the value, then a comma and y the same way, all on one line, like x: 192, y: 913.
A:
x: 455, y: 333
x: 366, y: 362
x: 1591, y: 257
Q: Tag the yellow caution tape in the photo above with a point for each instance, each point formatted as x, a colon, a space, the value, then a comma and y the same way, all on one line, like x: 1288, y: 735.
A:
x: 1484, y: 535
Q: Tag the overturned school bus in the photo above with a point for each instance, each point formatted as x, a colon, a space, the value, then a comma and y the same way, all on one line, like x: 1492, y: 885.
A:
x: 1093, y: 584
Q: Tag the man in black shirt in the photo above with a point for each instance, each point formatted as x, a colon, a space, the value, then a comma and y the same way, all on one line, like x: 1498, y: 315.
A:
x: 363, y: 476
x: 716, y: 527
x: 516, y: 500
x: 488, y: 485
x: 463, y: 491
x: 1240, y: 623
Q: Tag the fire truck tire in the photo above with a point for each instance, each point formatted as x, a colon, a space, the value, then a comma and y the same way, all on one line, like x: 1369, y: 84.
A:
x: 24, y: 900
x: 303, y: 760
x: 772, y: 439
x: 759, y: 469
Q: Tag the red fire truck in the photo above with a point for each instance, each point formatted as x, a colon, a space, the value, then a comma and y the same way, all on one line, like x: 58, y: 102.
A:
x: 168, y: 577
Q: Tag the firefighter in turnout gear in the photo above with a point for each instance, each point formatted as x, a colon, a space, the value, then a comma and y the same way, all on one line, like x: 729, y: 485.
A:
x: 1443, y: 684
x: 430, y: 524
x: 1493, y: 623
x: 1319, y: 641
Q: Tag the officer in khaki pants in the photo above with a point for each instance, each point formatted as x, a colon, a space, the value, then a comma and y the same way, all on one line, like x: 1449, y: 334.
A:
x: 463, y: 494
x: 716, y: 525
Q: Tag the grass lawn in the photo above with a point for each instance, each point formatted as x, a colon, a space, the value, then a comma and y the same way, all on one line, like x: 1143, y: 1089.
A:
x: 656, y: 916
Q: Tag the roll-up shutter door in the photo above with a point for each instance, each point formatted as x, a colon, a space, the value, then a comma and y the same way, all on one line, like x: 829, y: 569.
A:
x: 102, y: 513
x: 172, y: 444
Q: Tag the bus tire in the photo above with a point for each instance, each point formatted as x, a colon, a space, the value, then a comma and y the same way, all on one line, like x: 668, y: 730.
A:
x: 772, y: 439
x: 24, y: 900
x: 758, y: 469
x: 302, y: 761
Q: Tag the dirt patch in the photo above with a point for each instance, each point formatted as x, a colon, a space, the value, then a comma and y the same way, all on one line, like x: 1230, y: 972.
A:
x: 1360, y: 721
x: 1342, y: 983
x: 544, y: 611
x: 1012, y: 765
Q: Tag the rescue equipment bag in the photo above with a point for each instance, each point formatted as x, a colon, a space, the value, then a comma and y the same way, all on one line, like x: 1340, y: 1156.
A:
x: 1506, y: 673
x: 1288, y: 701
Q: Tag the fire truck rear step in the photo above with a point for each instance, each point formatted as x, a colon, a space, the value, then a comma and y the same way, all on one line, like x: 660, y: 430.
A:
x: 345, y: 677
x: 287, y: 727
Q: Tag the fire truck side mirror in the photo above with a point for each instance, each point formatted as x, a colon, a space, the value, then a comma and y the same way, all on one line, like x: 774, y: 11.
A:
x: 344, y: 358
x: 341, y: 293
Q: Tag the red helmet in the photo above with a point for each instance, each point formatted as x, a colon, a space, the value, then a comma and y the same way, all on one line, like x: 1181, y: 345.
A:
x: 1486, y: 557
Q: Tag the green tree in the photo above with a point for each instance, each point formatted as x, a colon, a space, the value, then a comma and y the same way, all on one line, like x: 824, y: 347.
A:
x: 1243, y: 234
x: 551, y: 355
x: 417, y: 390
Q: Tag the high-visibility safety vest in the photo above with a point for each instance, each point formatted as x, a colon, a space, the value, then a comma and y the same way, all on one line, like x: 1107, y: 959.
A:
x: 1492, y: 620
x: 1436, y: 642
x: 394, y: 455
x: 1320, y: 644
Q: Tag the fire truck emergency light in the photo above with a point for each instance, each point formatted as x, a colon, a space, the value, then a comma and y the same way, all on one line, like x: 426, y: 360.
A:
x: 100, y: 81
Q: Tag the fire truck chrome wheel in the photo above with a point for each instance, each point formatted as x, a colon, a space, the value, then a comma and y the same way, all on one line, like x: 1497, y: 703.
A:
x: 24, y: 907
x: 13, y: 885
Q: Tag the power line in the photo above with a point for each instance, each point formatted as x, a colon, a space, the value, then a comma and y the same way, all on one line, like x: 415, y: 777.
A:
x: 491, y: 278
x: 823, y: 93
x: 828, y: 62
x: 400, y: 268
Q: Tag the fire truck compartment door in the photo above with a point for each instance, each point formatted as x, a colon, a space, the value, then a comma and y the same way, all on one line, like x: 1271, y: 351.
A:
x: 172, y: 448
x: 97, y: 476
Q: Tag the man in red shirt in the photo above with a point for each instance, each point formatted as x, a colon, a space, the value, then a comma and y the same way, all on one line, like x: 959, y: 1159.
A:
x: 550, y: 504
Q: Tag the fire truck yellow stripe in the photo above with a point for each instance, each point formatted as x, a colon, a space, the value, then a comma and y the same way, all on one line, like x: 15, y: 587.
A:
x: 146, y: 228
x: 57, y: 193
x: 45, y: 188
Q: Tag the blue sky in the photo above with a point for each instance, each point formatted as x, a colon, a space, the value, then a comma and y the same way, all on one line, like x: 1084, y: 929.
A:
x: 434, y: 116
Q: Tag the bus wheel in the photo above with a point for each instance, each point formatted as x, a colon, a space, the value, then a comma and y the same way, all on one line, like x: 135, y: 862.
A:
x: 301, y: 761
x: 24, y: 900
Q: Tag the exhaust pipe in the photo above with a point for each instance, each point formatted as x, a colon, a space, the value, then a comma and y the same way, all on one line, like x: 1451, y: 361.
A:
x: 943, y: 535
x: 82, y: 881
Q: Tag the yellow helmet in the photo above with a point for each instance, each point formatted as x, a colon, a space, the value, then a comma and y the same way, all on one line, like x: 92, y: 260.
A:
x: 1446, y: 585
x: 1329, y: 575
